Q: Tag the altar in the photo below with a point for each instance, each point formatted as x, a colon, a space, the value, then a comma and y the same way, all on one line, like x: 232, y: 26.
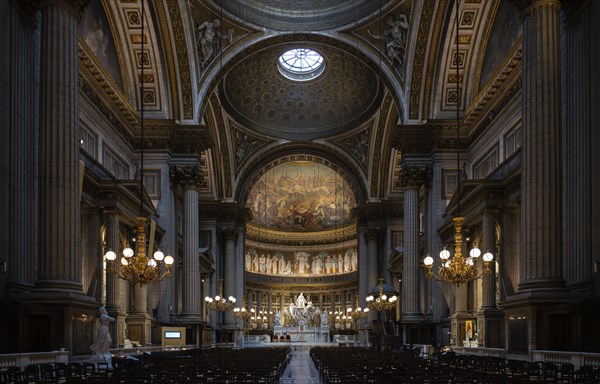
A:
x: 303, y: 333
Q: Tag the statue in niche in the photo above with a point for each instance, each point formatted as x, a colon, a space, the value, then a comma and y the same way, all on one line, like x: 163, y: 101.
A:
x: 394, y: 36
x: 209, y: 40
x: 102, y: 343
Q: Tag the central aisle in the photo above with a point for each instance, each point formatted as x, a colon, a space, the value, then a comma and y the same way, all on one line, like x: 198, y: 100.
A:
x: 301, y: 369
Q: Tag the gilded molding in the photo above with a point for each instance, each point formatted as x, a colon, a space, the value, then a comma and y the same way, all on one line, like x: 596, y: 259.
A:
x: 375, y: 168
x: 166, y: 35
x: 433, y: 55
x: 223, y: 146
x: 308, y: 241
x: 102, y: 84
x: 185, y: 78
x: 419, y: 58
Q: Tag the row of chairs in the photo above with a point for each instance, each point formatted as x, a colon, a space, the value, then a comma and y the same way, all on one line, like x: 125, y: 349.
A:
x: 359, y: 365
x: 53, y: 373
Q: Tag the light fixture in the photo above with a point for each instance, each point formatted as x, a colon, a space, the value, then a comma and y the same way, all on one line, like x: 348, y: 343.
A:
x: 219, y: 303
x: 357, y: 314
x: 379, y: 300
x: 245, y: 315
x: 135, y: 266
x: 458, y: 269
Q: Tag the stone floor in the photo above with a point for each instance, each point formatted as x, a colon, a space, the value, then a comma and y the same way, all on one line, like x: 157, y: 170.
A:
x: 301, y: 369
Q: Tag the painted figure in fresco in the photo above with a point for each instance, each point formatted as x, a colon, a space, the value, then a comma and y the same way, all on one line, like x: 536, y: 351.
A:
x: 347, y: 266
x: 354, y: 260
x: 269, y: 264
x: 261, y: 263
x: 248, y: 261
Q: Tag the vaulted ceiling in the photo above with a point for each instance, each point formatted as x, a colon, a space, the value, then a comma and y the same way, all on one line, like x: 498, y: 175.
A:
x: 389, y: 64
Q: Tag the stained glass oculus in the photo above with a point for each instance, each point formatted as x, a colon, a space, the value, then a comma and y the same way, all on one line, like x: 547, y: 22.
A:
x: 301, y: 64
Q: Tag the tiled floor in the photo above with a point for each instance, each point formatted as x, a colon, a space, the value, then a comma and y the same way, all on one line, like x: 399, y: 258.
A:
x: 300, y: 370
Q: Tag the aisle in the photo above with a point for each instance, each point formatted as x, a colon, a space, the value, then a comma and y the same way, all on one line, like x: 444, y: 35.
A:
x: 300, y: 370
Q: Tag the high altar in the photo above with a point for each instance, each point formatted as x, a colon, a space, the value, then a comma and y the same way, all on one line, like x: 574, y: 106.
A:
x: 300, y: 314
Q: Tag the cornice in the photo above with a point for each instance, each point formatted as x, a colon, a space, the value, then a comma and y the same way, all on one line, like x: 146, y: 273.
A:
x: 102, y: 84
x: 261, y: 235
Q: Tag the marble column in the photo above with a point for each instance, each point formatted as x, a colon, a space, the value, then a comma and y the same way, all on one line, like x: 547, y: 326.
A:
x: 489, y: 245
x: 19, y: 117
x: 60, y: 257
x: 190, y: 178
x: 114, y: 284
x: 541, y: 261
x: 112, y: 244
x: 372, y: 239
x: 231, y: 237
x: 270, y: 308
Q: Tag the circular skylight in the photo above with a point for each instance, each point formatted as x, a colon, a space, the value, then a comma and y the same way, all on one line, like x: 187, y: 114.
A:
x: 301, y: 64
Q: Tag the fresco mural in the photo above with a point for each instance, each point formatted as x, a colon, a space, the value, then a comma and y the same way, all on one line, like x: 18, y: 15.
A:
x: 301, y: 263
x: 505, y: 31
x: 95, y: 30
x: 301, y: 195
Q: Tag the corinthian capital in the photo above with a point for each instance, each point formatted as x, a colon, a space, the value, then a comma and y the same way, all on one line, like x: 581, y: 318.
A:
x: 188, y: 176
x: 413, y: 176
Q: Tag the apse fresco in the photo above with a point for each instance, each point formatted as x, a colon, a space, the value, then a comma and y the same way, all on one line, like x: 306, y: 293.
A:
x: 301, y: 263
x: 305, y: 196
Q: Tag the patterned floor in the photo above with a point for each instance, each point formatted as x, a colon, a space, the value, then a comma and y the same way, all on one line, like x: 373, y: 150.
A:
x: 301, y: 369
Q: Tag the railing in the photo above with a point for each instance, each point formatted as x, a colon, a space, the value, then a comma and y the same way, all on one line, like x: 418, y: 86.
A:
x: 24, y: 359
x: 578, y: 359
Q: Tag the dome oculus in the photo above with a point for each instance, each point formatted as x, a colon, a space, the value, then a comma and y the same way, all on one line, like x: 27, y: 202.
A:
x: 301, y: 64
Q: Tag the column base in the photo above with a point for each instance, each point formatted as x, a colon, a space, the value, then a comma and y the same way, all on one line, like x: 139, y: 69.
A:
x: 190, y: 318
x: 138, y: 328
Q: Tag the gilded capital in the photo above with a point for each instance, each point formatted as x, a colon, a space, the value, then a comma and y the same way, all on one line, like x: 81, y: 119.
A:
x: 187, y: 176
x: 75, y: 7
x: 413, y: 176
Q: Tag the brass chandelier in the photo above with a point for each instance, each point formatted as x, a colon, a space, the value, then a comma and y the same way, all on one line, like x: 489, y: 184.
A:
x: 244, y: 314
x: 380, y: 301
x: 135, y: 266
x: 458, y: 270
x: 219, y: 303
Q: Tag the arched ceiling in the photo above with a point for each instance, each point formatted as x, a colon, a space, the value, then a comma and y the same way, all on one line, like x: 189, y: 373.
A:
x: 258, y: 96
x: 301, y: 15
x: 402, y: 89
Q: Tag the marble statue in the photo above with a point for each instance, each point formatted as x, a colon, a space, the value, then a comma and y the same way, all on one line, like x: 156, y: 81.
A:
x: 102, y: 343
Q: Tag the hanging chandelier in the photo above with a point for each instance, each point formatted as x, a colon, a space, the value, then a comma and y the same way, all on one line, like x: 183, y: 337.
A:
x: 219, y: 303
x: 135, y: 266
x: 356, y: 315
x: 458, y: 269
x: 380, y: 301
x: 244, y: 314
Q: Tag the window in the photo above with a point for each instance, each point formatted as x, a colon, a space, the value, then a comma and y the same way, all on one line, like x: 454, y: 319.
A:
x: 486, y: 164
x: 301, y: 64
x: 116, y: 165
x: 512, y: 141
x: 88, y: 141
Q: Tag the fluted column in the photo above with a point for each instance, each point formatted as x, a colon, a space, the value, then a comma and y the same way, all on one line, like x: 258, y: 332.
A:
x: 112, y: 244
x: 60, y: 256
x: 231, y: 237
x: 19, y: 114
x: 372, y: 239
x: 190, y: 178
x: 489, y: 245
x: 541, y: 264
